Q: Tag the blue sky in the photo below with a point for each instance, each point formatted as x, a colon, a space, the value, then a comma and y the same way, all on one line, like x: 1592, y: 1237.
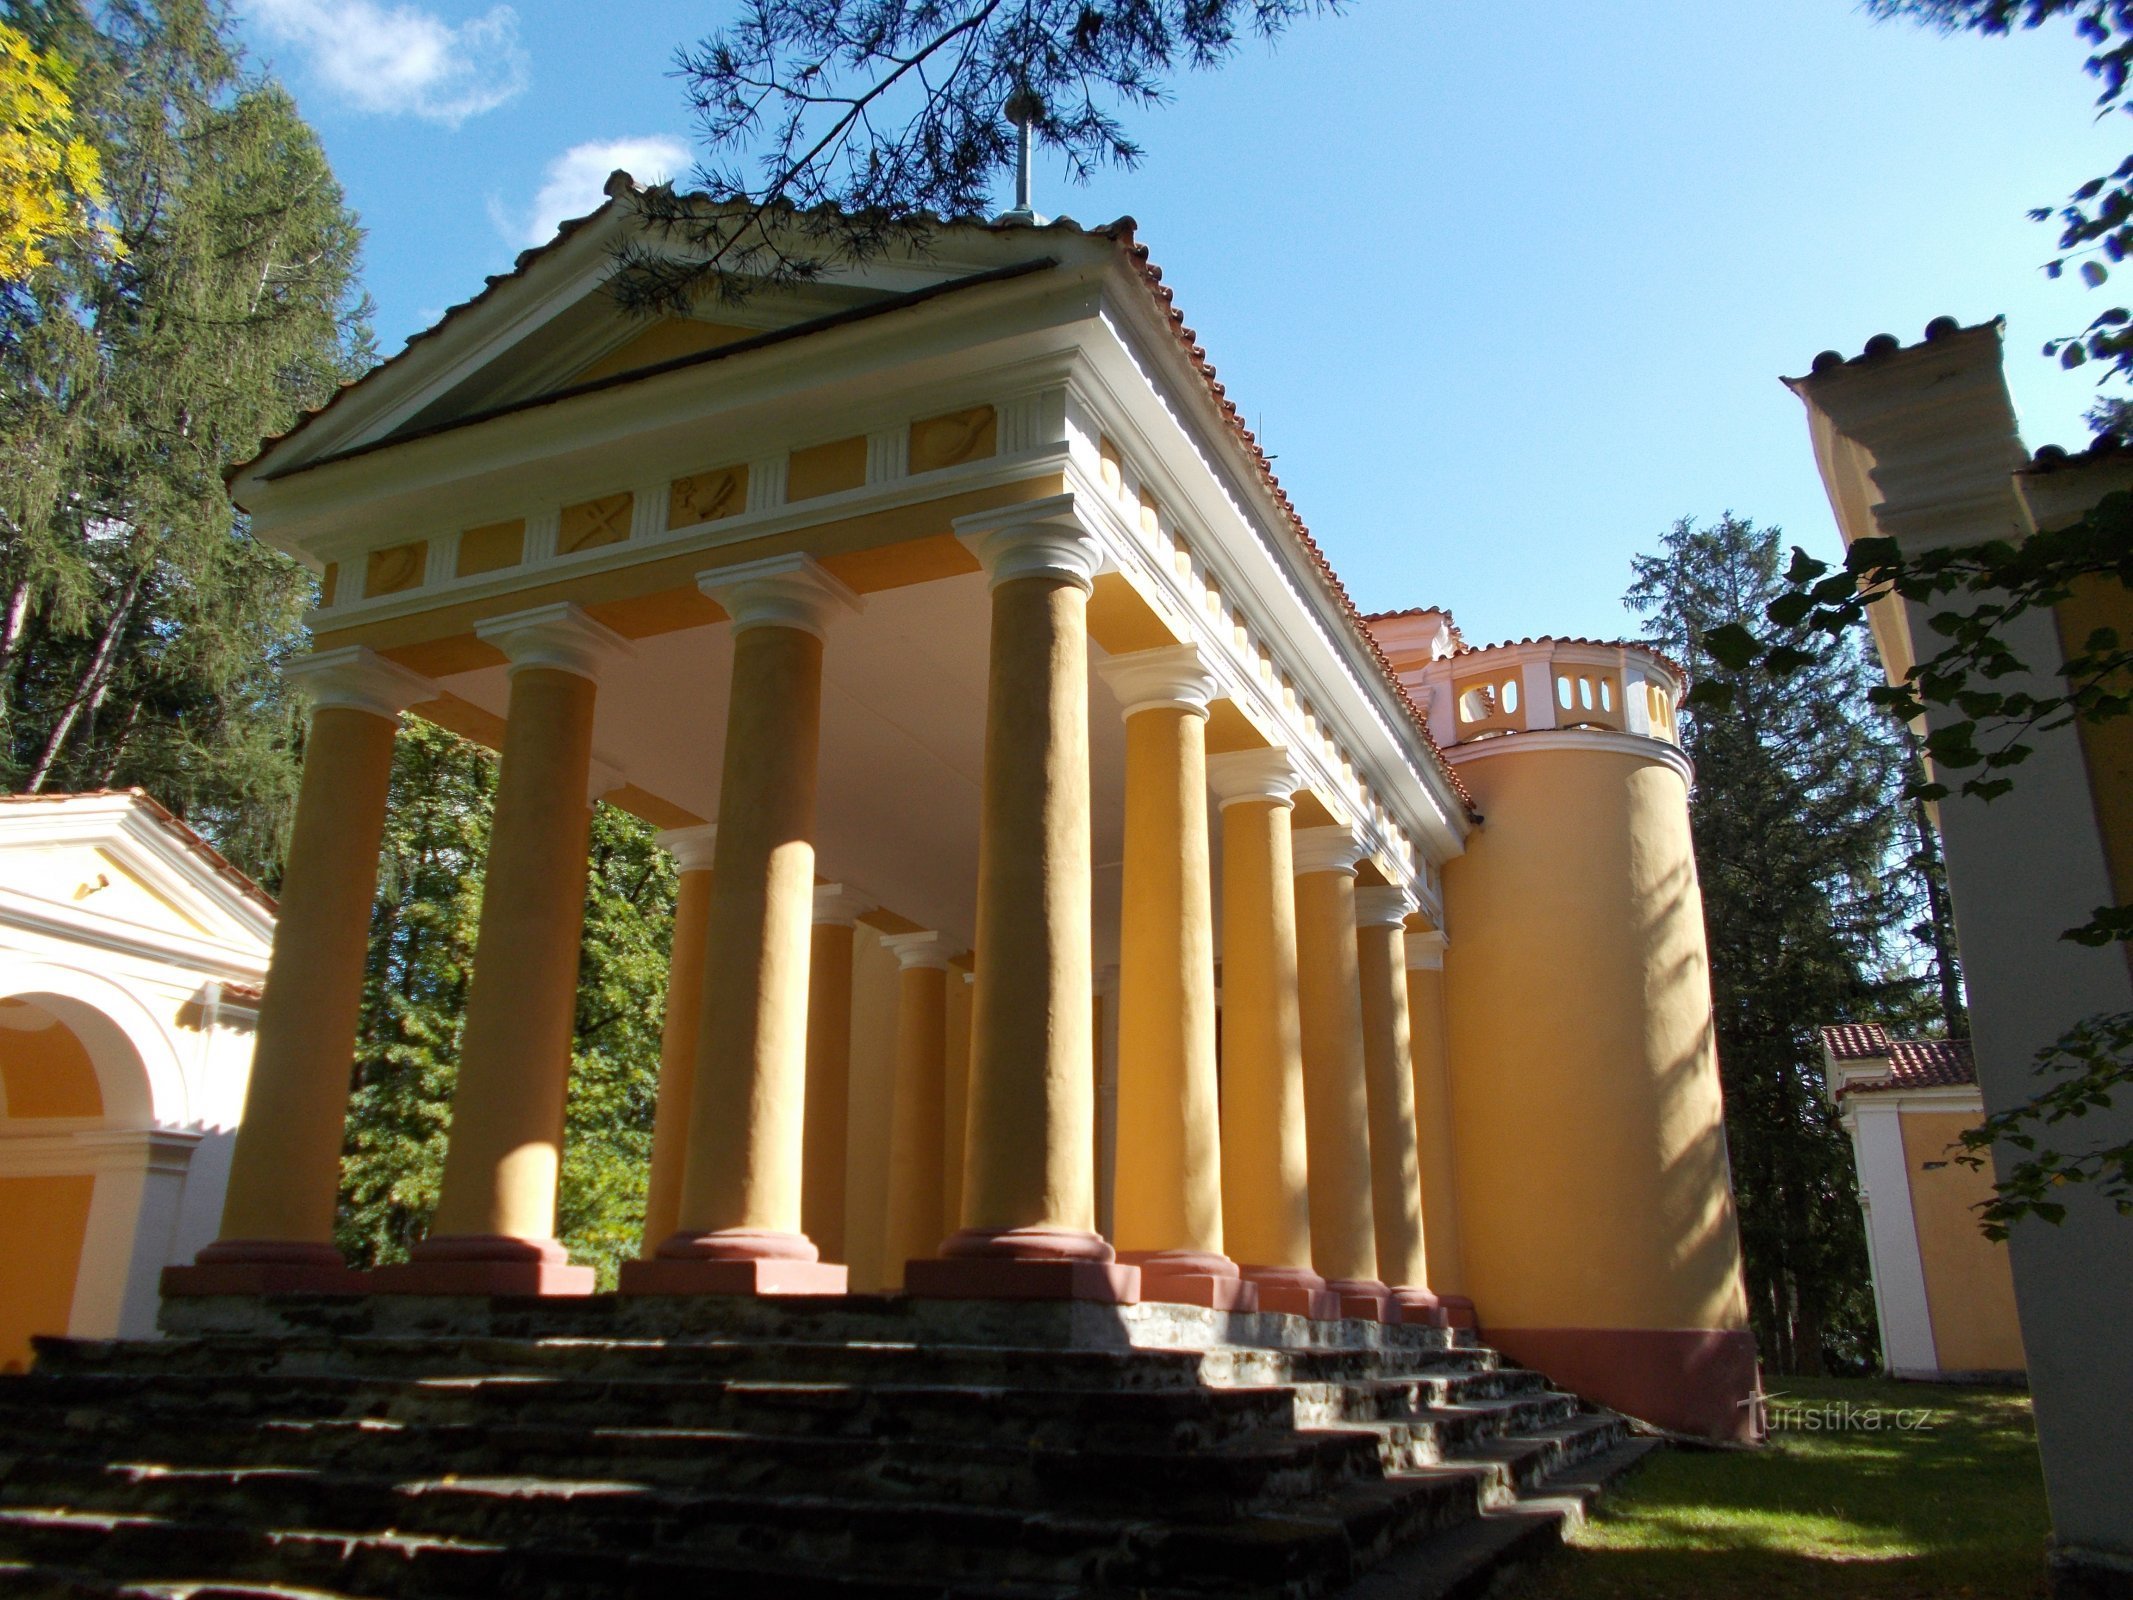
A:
x: 1505, y: 289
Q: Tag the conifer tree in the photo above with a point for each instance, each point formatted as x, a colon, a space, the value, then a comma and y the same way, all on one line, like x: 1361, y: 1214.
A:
x: 141, y: 628
x: 1801, y: 847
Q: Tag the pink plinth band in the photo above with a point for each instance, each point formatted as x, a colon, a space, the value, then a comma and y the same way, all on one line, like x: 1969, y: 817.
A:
x: 1024, y: 1264
x: 1295, y: 1291
x: 263, y: 1266
x: 1419, y: 1308
x: 738, y: 1244
x: 1364, y: 1300
x: 484, y: 1264
x: 1192, y: 1278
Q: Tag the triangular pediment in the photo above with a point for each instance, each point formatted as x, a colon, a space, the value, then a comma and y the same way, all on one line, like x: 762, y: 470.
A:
x: 551, y: 327
x: 119, y: 858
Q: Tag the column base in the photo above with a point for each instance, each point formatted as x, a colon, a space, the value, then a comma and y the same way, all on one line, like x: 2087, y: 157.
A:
x: 1419, y: 1308
x: 484, y: 1264
x: 665, y: 1275
x: 1294, y: 1291
x: 1364, y: 1299
x: 1192, y: 1278
x: 1458, y: 1311
x: 1691, y: 1380
x: 1024, y: 1264
x: 263, y: 1266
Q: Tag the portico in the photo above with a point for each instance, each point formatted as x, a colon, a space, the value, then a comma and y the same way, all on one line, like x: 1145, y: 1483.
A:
x: 1004, y: 721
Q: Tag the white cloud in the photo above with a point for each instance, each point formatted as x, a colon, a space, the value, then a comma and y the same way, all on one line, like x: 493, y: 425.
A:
x: 572, y: 185
x: 403, y: 61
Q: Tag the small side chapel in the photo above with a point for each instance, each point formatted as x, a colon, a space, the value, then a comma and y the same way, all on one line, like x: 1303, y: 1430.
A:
x: 1080, y: 899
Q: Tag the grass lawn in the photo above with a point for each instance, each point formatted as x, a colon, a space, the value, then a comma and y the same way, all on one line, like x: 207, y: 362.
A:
x: 1952, y: 1508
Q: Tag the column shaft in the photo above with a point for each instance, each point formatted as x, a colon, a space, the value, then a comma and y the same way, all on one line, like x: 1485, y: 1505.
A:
x: 677, y: 1057
x: 918, y: 1115
x: 1336, y: 1098
x: 277, y: 1214
x: 1433, y: 1125
x: 1028, y: 1176
x: 1032, y: 1113
x: 1388, y: 1066
x: 1266, y: 1205
x: 1169, y: 1187
x: 746, y: 1132
x: 829, y: 1086
x: 955, y: 1108
x: 497, y: 1200
x: 741, y: 1192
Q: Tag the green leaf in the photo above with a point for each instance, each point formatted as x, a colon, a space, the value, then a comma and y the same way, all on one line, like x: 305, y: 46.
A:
x: 1731, y: 646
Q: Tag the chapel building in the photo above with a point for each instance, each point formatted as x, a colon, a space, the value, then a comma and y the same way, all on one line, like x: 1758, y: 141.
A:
x: 1079, y: 898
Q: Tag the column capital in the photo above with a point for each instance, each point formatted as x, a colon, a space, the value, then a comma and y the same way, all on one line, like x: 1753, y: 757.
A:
x: 1425, y: 951
x: 1171, y: 678
x: 839, y: 905
x: 560, y: 636
x: 923, y: 949
x: 691, y: 848
x: 1037, y: 539
x: 1333, y: 849
x: 1240, y: 775
x: 781, y: 592
x: 1383, y: 906
x: 357, y: 678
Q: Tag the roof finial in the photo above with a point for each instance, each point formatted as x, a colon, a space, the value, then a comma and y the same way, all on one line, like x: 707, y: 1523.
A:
x: 1024, y: 107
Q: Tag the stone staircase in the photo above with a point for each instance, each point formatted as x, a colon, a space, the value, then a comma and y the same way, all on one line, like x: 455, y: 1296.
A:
x: 863, y: 1448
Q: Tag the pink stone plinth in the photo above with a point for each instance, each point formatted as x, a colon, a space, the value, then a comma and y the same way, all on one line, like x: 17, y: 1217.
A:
x: 263, y: 1266
x: 1192, y: 1278
x: 1365, y: 1300
x: 484, y: 1264
x: 1419, y: 1308
x: 1458, y: 1311
x: 1024, y: 1264
x: 1297, y: 1291
x: 758, y: 1276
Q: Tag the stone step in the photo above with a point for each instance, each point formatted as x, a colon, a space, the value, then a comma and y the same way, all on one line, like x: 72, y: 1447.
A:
x: 82, y: 1556
x: 1224, y: 1481
x: 1002, y: 1366
x: 450, y: 1535
x: 1442, y: 1433
x: 1177, y: 1419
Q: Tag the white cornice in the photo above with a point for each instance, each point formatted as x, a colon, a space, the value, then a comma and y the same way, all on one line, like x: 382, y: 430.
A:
x: 195, y: 954
x: 1598, y: 739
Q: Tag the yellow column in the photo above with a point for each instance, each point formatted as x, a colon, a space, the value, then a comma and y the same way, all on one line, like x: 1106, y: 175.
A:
x: 493, y: 1232
x: 1433, y: 1124
x: 1336, y: 1098
x: 829, y: 1067
x: 956, y: 1107
x: 1381, y: 914
x: 918, y: 1116
x: 691, y: 849
x: 740, y: 1229
x: 277, y: 1214
x: 1028, y: 1176
x: 1168, y: 1200
x: 1266, y: 1204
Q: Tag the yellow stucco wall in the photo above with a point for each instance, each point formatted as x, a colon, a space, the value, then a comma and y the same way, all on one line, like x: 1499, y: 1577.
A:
x: 1589, y: 1141
x: 1969, y: 1283
x: 44, y: 1066
x: 47, y: 1218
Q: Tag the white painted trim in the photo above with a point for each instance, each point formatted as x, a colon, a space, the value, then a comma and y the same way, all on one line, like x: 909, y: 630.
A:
x: 1892, y: 1240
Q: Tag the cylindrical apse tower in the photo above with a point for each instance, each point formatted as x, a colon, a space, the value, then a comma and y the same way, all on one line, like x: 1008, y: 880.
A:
x: 1595, y: 1199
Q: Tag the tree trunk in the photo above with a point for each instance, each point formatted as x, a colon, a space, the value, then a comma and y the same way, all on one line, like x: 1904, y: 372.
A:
x: 92, y: 683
